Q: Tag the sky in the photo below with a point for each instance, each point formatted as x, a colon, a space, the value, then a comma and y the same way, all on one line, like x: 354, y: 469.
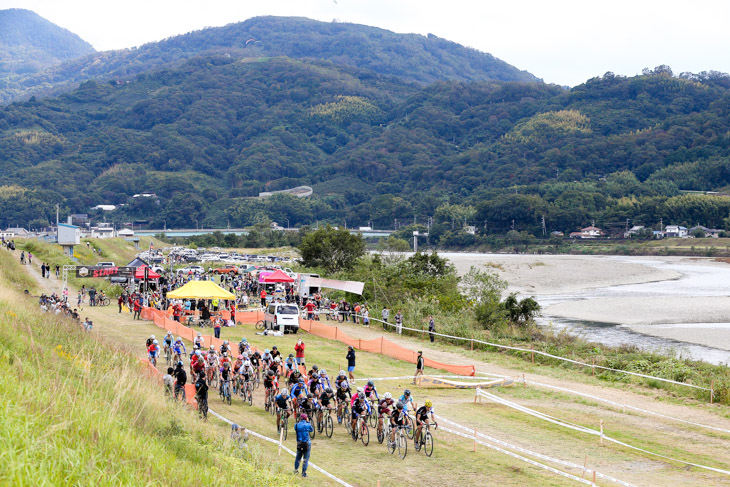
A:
x: 561, y: 41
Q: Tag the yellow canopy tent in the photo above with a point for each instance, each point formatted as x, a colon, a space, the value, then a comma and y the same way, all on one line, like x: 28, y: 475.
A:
x: 200, y: 290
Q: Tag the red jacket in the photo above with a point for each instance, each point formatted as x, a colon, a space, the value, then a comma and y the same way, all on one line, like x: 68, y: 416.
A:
x: 299, y: 348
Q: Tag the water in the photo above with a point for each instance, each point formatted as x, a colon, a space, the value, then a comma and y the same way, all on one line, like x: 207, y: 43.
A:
x: 695, y: 280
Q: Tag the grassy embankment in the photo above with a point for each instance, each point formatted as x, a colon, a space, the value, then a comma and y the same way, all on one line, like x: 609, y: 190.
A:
x: 78, y: 410
x: 117, y: 250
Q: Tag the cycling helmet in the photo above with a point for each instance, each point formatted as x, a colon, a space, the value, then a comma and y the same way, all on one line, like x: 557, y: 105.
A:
x: 169, y: 333
x: 301, y: 380
x: 155, y: 342
x: 197, y: 352
x: 291, y: 355
x: 304, y: 417
x: 314, y: 367
x: 388, y: 395
x: 212, y: 348
x: 322, y: 372
x: 152, y: 337
x: 360, y: 389
x: 247, y: 363
x: 266, y: 351
x: 344, y: 385
x: 244, y: 340
x: 274, y: 348
x: 429, y: 403
x: 315, y: 376
x: 407, y: 392
x: 225, y: 342
x: 371, y: 383
x: 328, y: 390
x: 284, y: 392
x: 399, y: 405
x: 240, y: 357
x: 179, y: 339
x: 180, y: 363
x: 199, y: 334
x: 310, y: 395
x: 342, y: 372
x: 227, y: 365
x: 277, y: 359
x: 225, y: 354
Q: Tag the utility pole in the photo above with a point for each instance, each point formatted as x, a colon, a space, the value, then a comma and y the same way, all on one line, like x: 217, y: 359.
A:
x: 57, y: 209
x: 544, y: 230
x: 627, y: 224
x: 513, y: 224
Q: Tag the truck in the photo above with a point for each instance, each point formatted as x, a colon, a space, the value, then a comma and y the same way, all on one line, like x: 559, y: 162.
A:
x: 305, y: 286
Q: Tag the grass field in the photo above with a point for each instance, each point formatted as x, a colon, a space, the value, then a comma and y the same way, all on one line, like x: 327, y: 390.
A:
x: 454, y: 461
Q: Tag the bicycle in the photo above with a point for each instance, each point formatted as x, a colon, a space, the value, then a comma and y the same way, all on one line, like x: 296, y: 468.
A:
x: 409, y: 426
x: 102, y: 301
x: 203, y: 408
x: 168, y: 355
x: 345, y: 416
x: 400, y: 442
x: 248, y: 392
x: 383, y: 430
x: 426, y: 440
x: 361, y: 432
x: 283, y: 426
x: 153, y: 360
x: 260, y: 325
x: 310, y: 420
x: 326, y: 424
x: 373, y: 416
x: 212, y: 376
x: 225, y: 391
x: 257, y: 379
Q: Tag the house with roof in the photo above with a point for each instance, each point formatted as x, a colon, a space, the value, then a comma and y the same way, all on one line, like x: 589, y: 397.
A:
x: 676, y: 231
x: 709, y: 232
x: 588, y: 232
x: 633, y: 231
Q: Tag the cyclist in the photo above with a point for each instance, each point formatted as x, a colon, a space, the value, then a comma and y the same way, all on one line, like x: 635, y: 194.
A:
x: 197, y: 364
x: 275, y: 353
x: 370, y: 390
x: 212, y: 363
x: 384, y: 408
x: 294, y: 377
x: 266, y: 358
x: 283, y: 403
x: 224, y: 359
x: 314, y: 385
x: 309, y: 405
x: 243, y: 346
x: 398, y: 418
x: 199, y: 341
x: 179, y: 349
x: 422, y: 417
x: 149, y: 341
x: 201, y: 390
x: 225, y: 348
x: 340, y: 379
x: 360, y: 407
x: 167, y: 341
x: 237, y: 371
x: 275, y: 365
x: 360, y: 394
x: 324, y: 379
x: 343, y: 391
x: 153, y: 351
x: 314, y: 370
x: 271, y: 383
x: 407, y: 399
x: 326, y: 401
x: 298, y: 389
x: 289, y: 365
x: 225, y: 377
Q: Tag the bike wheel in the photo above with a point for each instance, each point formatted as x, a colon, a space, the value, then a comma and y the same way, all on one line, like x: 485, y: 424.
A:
x: 373, y: 421
x: 381, y: 434
x: 428, y: 444
x: 391, y: 445
x: 312, y: 433
x: 250, y: 397
x: 329, y: 426
x: 402, y: 446
x: 260, y: 325
x: 365, y: 434
x: 410, y: 430
x: 285, y: 427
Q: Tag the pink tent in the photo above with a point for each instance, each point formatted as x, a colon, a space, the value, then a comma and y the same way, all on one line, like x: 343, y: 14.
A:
x: 278, y: 276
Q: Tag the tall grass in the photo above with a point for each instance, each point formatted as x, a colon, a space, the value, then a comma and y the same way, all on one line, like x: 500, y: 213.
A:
x: 79, y: 411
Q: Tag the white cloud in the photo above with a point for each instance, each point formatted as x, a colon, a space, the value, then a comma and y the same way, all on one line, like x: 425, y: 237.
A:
x: 564, y: 41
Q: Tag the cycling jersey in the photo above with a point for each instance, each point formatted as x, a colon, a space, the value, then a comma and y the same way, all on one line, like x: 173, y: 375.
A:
x: 179, y: 347
x: 298, y: 389
x: 355, y: 397
x: 313, y: 385
x: 360, y: 408
x: 370, y: 391
x: 398, y: 417
x: 270, y: 382
x: 290, y: 365
x: 406, y: 401
x: 423, y: 412
x: 282, y: 400
x: 384, y: 406
x: 153, y: 350
x: 325, y: 399
x: 168, y: 340
x: 226, y: 374
x: 199, y: 342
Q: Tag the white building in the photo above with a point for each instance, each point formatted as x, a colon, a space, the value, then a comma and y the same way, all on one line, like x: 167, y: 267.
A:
x: 67, y: 236
x: 103, y: 230
x: 675, y: 231
x: 125, y: 232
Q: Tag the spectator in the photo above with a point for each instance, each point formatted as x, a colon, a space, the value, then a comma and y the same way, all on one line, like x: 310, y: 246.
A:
x: 88, y: 324
x: 385, y: 314
x: 137, y: 308
x: 121, y: 300
x: 168, y: 382
x: 310, y: 310
x: 419, y: 366
x: 399, y: 322
x: 263, y: 298
x: 431, y: 327
x: 365, y: 316
x: 304, y: 445
x: 217, y: 328
x: 181, y: 378
x: 299, y: 349
x: 350, y: 362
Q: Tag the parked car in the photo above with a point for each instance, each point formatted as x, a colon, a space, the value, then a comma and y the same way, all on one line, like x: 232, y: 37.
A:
x: 228, y: 269
x: 282, y: 317
x: 195, y: 269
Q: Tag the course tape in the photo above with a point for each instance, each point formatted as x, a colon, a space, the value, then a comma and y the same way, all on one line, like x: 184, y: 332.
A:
x: 544, y: 354
x: 291, y: 452
x: 470, y: 434
x: 624, y: 406
x: 589, y: 431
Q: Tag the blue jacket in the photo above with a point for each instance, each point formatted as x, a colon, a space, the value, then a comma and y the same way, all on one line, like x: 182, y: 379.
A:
x: 303, y: 428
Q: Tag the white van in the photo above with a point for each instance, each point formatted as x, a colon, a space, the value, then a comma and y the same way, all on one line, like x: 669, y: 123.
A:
x: 282, y: 317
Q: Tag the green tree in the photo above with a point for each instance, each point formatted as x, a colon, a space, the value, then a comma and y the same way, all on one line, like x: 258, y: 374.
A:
x: 335, y: 250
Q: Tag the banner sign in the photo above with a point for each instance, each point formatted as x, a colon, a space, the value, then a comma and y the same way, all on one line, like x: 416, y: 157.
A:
x: 104, y: 271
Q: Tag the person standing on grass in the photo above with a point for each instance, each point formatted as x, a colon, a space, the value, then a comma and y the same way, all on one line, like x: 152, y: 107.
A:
x: 137, y: 308
x: 120, y: 301
x: 365, y: 316
x: 431, y: 327
x: 419, y: 366
x: 58, y: 270
x: 350, y: 362
x: 181, y: 378
x: 217, y: 328
x: 299, y: 349
x: 43, y: 271
x: 304, y: 444
x: 168, y: 382
x: 385, y: 314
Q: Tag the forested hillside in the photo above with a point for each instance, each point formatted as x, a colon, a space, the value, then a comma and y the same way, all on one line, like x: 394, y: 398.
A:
x: 211, y: 134
x: 30, y: 44
x: 410, y: 57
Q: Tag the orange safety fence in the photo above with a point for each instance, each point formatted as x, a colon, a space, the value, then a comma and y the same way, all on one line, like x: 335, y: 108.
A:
x: 379, y: 345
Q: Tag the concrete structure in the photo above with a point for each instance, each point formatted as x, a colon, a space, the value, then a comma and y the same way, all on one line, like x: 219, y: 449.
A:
x: 125, y: 232
x: 103, y: 230
x: 67, y: 236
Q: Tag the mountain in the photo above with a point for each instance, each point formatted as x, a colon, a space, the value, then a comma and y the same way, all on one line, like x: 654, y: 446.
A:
x: 411, y: 57
x: 208, y: 135
x: 29, y: 43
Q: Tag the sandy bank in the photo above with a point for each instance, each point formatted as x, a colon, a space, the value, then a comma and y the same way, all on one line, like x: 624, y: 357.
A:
x: 558, y: 274
x: 716, y: 335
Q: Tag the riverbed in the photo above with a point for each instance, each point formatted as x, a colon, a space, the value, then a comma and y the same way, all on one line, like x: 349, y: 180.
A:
x: 677, y: 305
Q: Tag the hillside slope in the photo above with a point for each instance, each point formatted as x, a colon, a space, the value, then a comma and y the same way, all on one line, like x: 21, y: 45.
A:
x: 29, y: 43
x: 411, y: 57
